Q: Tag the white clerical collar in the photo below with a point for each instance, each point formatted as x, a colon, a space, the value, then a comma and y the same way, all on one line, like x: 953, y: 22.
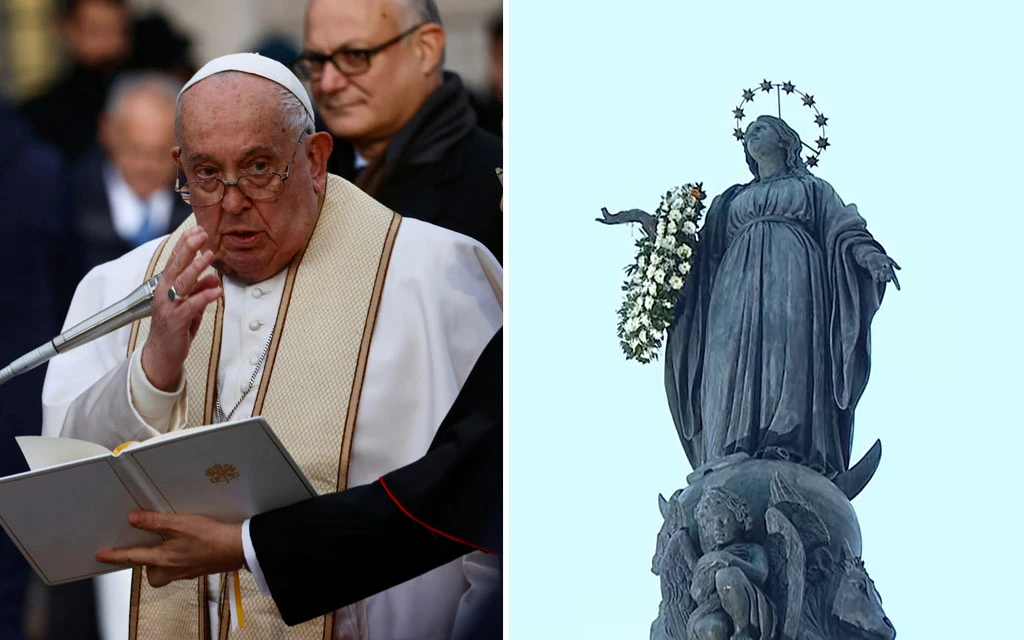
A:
x: 271, y: 284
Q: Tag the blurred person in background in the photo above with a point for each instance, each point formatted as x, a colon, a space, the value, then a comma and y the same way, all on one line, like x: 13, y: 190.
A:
x: 157, y: 45
x: 97, y: 34
x: 123, y: 187
x: 277, y: 46
x: 404, y: 129
x: 488, y: 104
x: 35, y: 244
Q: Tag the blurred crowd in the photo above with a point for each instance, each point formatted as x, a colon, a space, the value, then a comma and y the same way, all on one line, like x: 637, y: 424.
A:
x: 86, y: 175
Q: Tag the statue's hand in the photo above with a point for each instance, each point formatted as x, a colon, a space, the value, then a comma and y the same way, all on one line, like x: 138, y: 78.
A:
x: 645, y: 219
x: 882, y: 268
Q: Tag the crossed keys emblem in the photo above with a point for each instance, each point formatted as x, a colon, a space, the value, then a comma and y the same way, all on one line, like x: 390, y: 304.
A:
x: 222, y: 473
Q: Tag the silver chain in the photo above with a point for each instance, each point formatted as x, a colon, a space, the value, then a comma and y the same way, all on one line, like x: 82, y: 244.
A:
x: 218, y: 411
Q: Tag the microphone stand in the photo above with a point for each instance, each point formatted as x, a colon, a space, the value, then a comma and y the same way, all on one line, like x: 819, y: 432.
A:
x: 137, y: 304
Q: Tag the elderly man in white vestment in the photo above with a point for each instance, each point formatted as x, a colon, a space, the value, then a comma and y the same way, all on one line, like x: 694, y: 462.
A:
x: 289, y: 294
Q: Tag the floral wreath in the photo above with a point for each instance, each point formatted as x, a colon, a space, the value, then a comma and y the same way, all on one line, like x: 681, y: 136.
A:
x: 658, y: 273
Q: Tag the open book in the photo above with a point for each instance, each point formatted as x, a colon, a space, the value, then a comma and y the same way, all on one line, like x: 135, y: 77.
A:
x: 76, y: 498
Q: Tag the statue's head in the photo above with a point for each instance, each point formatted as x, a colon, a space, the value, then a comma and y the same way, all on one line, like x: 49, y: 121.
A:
x: 722, y: 518
x: 768, y: 136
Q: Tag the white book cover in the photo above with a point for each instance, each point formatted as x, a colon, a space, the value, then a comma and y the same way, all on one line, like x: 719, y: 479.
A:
x: 77, y: 495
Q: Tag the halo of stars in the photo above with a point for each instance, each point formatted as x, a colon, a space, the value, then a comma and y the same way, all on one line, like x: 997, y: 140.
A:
x: 788, y: 88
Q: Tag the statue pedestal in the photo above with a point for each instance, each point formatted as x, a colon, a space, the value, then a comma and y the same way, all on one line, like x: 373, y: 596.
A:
x: 764, y: 548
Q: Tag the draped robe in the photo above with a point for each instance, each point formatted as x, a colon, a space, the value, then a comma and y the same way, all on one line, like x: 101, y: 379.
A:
x: 769, y: 351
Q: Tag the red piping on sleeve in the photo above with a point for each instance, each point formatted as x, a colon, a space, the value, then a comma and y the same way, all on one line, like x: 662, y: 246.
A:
x: 427, y: 526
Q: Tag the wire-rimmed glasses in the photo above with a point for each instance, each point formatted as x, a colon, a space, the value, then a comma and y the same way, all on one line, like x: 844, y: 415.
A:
x: 255, y: 186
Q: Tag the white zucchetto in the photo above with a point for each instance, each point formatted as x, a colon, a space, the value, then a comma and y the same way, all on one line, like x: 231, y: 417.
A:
x: 257, y: 65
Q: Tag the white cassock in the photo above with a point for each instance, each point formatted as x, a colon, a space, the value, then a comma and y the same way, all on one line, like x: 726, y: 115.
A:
x: 439, y: 308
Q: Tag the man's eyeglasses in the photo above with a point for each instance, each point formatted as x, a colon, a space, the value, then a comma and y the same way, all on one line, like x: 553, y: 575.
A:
x: 255, y: 186
x: 348, y: 61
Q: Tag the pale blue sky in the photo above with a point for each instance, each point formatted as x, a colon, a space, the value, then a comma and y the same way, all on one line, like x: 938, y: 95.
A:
x: 610, y: 107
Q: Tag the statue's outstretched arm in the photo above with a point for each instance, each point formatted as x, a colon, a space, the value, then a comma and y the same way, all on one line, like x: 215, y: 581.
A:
x: 870, y: 257
x: 646, y: 220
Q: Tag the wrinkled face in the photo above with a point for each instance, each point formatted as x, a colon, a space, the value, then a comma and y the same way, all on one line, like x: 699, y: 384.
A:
x: 718, y: 527
x: 232, y: 124
x: 137, y: 137
x: 375, y: 104
x: 762, y: 140
x: 98, y: 34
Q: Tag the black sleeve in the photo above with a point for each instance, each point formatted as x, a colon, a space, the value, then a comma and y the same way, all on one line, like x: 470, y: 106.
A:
x: 336, y: 549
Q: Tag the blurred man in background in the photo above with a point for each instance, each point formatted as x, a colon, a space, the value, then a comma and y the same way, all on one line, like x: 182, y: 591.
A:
x: 404, y: 129
x: 97, y: 33
x: 123, y: 188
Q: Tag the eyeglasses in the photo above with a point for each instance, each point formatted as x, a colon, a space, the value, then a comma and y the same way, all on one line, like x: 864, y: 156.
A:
x: 349, y: 62
x: 255, y: 186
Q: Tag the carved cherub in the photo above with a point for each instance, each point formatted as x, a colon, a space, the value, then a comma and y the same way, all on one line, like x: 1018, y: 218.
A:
x: 728, y: 579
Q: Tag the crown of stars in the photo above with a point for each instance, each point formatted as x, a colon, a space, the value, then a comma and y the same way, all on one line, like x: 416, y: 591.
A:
x: 787, y: 88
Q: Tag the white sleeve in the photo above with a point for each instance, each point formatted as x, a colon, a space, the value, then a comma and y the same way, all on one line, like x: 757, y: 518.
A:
x: 87, y: 393
x: 159, y: 409
x: 483, y: 572
x: 252, y: 561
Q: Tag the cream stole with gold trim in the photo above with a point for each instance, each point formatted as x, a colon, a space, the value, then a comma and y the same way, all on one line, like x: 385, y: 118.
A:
x: 309, y: 393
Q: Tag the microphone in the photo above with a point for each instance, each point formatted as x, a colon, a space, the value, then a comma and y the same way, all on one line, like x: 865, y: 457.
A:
x: 137, y: 304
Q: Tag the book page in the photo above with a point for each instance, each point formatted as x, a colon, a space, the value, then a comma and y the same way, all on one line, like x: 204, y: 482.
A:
x: 41, y: 452
x: 60, y: 518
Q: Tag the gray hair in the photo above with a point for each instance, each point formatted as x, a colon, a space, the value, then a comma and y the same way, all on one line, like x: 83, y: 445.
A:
x: 156, y: 83
x: 294, y: 113
x: 422, y: 11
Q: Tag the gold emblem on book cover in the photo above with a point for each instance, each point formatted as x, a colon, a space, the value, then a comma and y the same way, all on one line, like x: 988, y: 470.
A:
x: 222, y: 473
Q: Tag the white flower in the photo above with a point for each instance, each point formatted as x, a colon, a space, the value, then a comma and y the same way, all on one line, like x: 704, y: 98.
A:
x: 669, y: 242
x: 652, y: 289
x: 645, y: 320
x: 684, y: 251
x: 675, y: 282
x: 672, y: 228
x: 656, y: 259
x: 648, y: 302
x: 689, y: 228
x: 659, y: 276
x: 651, y: 269
x: 675, y: 215
x: 642, y: 336
x: 684, y: 268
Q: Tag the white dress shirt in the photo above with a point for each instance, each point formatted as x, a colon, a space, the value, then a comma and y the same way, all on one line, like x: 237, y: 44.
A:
x: 126, y: 207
